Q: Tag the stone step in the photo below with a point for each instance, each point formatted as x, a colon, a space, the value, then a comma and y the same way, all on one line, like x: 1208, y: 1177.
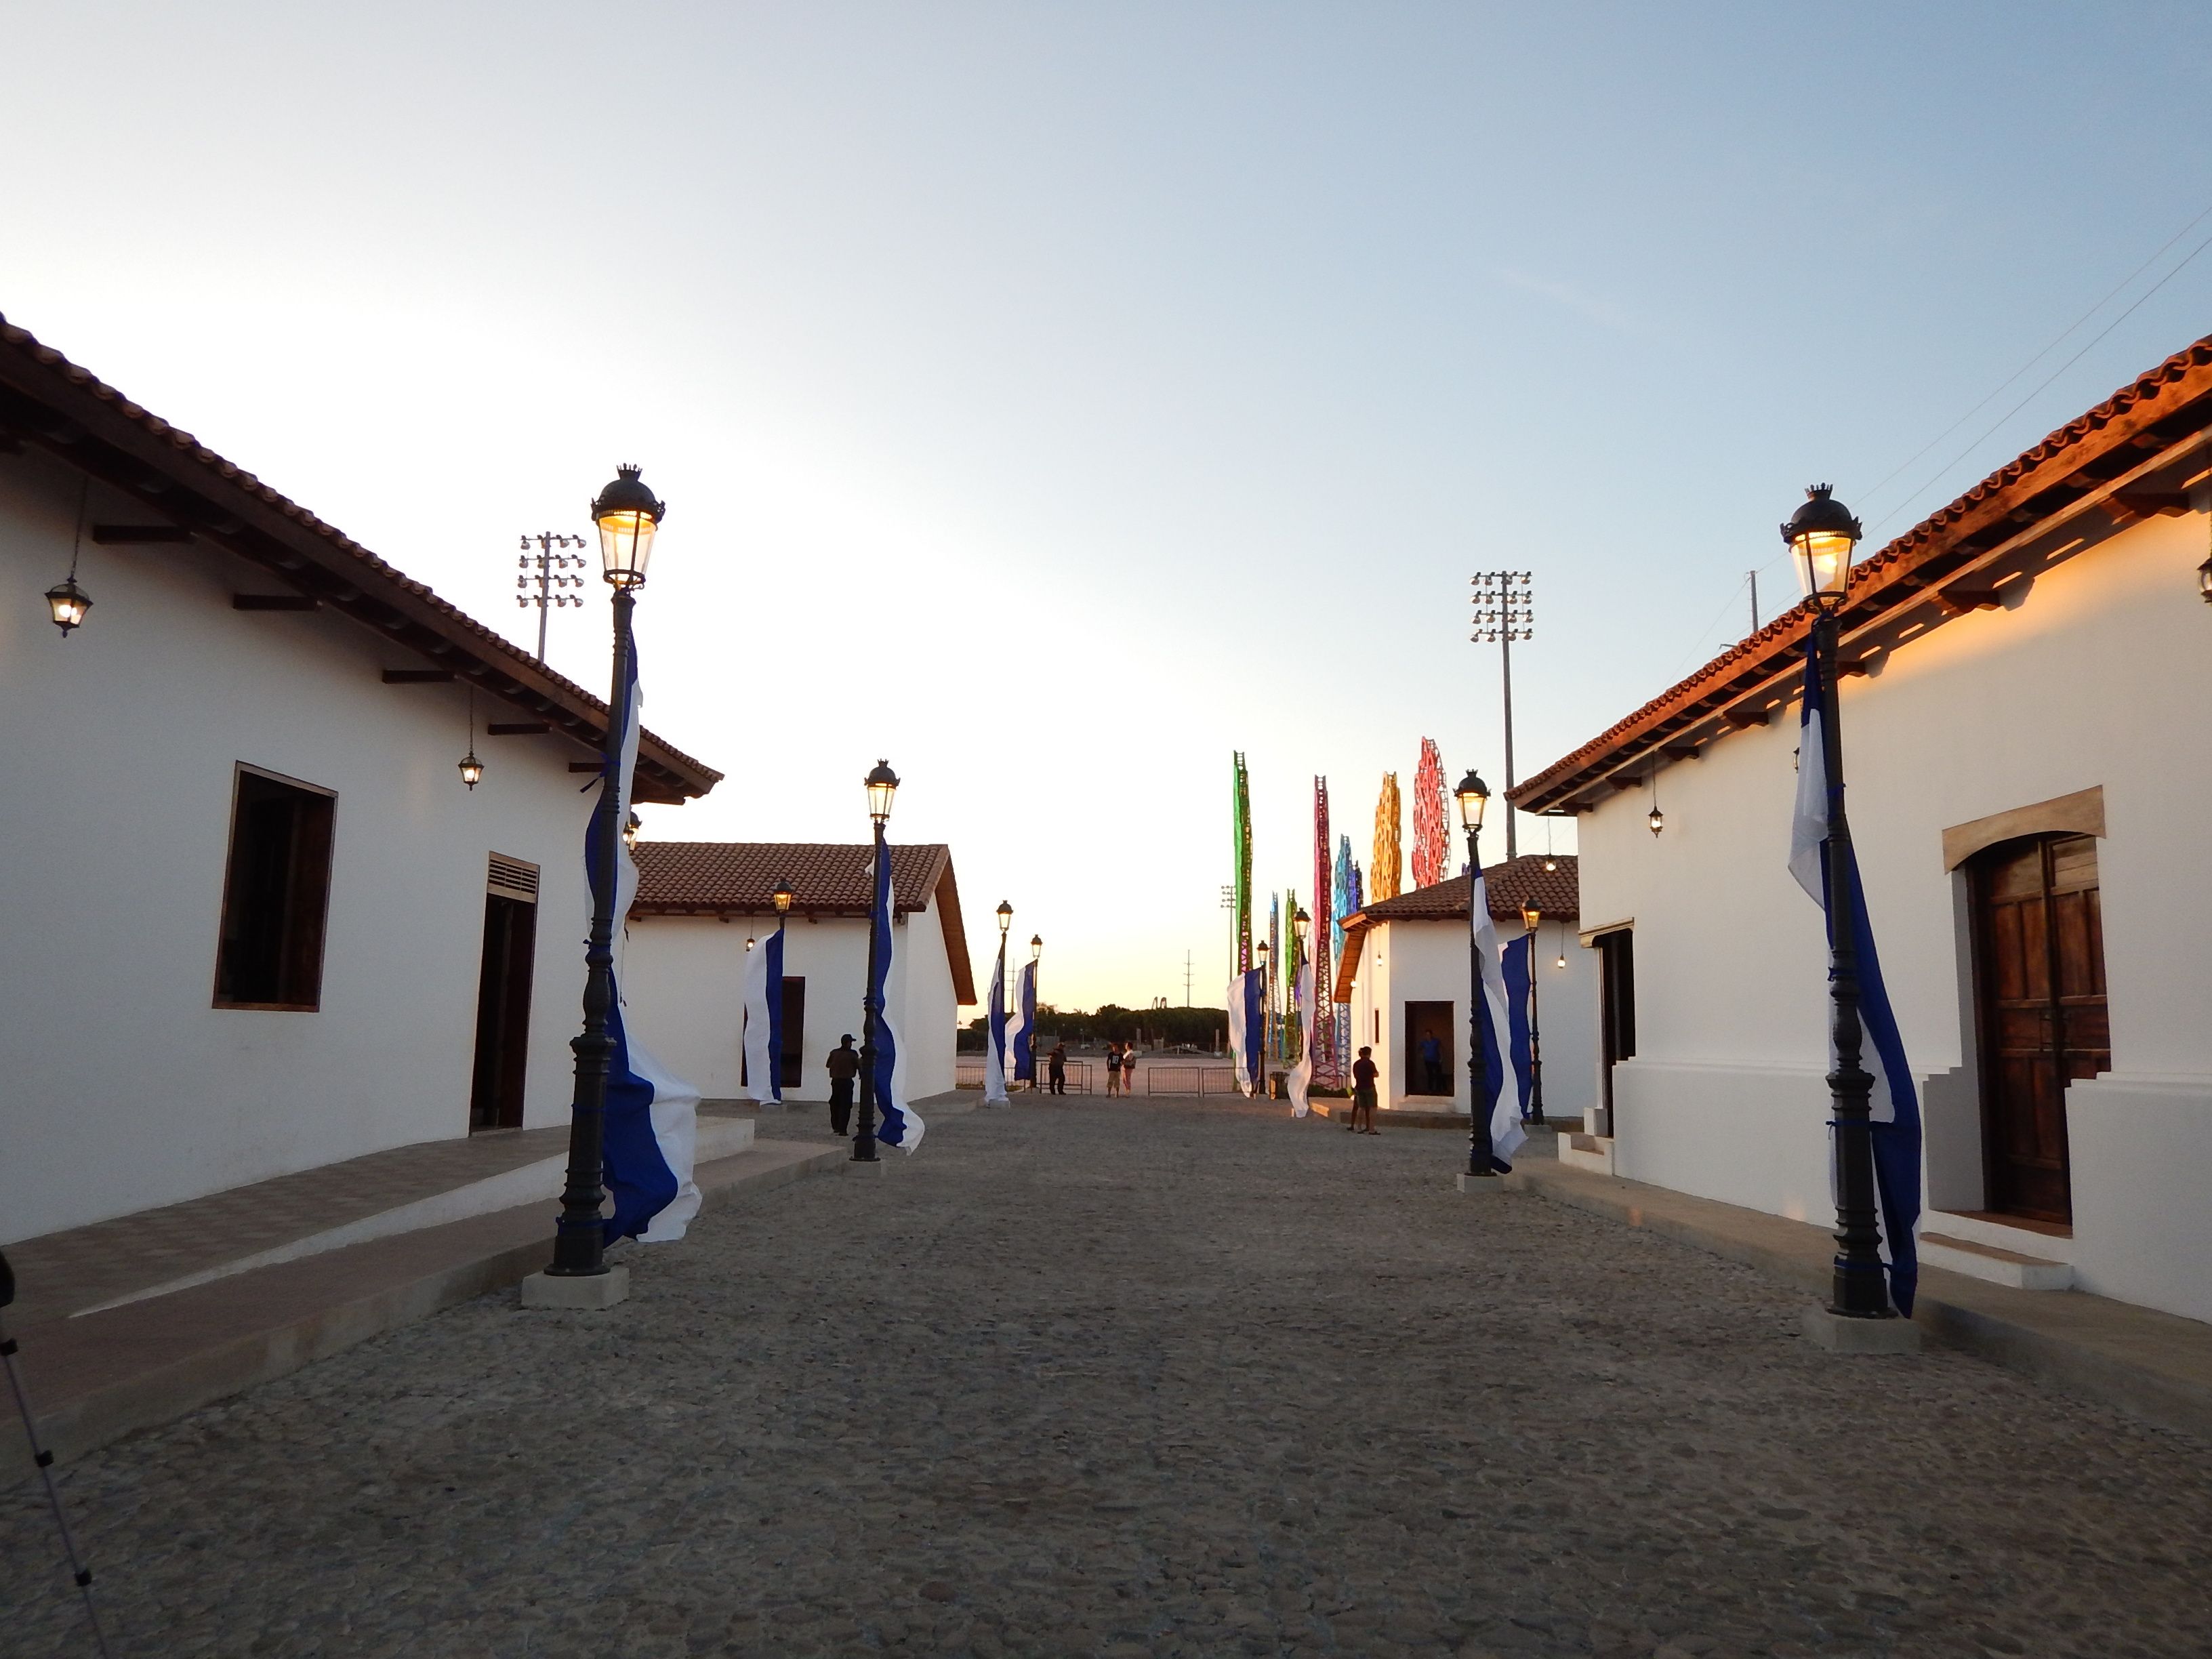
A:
x: 1997, y: 1265
x: 1587, y: 1152
x: 540, y: 1180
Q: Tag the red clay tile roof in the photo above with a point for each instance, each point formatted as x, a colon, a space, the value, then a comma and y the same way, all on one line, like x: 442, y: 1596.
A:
x: 1898, y: 591
x: 48, y: 400
x: 1513, y: 885
x: 827, y: 878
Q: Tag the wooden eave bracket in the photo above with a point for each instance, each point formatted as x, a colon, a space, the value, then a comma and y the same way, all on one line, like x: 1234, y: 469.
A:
x: 2128, y: 505
x: 138, y: 535
x: 1741, y: 718
x: 274, y: 602
x: 517, y: 729
x: 418, y: 677
x: 1958, y: 601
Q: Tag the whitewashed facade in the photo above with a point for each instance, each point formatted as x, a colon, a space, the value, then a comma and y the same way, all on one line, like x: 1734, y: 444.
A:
x: 1405, y: 971
x: 2034, y: 664
x: 129, y: 1085
x: 684, y: 959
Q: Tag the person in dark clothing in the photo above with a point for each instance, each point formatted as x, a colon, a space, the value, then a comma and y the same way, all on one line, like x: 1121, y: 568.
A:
x: 1364, y: 1074
x: 844, y: 1065
x: 1433, y: 1080
x: 1058, y: 1068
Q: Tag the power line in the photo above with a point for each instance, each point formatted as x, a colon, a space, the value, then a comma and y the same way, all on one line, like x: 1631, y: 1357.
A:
x: 1998, y: 391
x: 2044, y: 384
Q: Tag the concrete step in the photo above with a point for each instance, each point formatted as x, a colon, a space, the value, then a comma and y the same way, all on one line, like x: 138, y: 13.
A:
x: 1587, y: 1152
x: 527, y: 1183
x: 92, y: 1379
x: 1997, y: 1265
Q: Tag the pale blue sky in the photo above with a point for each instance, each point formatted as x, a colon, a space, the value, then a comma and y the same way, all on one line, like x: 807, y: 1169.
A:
x: 1146, y: 379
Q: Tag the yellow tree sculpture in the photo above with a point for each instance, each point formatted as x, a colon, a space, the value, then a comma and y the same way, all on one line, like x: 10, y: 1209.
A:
x: 1386, y: 877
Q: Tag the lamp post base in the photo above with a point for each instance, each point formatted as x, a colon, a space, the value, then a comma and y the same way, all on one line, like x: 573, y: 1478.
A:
x: 867, y: 1166
x: 1477, y: 1186
x: 580, y: 1290
x: 1841, y: 1334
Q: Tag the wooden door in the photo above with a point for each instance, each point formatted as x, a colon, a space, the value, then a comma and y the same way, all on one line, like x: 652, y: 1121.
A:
x: 2039, y: 996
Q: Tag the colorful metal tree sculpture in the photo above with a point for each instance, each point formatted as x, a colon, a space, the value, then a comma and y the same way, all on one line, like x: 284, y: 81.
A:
x: 1347, y: 901
x: 1324, y: 950
x: 1431, y: 836
x: 1389, y: 862
x: 1240, y: 857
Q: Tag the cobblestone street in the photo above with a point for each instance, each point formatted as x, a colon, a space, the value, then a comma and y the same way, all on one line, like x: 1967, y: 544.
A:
x: 1138, y: 1378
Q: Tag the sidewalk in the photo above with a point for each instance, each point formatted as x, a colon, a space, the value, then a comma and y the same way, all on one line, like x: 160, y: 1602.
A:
x: 2153, y: 1366
x: 134, y: 1322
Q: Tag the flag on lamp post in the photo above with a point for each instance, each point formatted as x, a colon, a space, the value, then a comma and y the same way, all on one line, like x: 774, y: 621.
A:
x: 897, y: 1124
x: 1247, y: 1028
x: 1893, y: 1103
x: 764, y: 1020
x: 1024, y: 1034
x: 994, y: 1048
x: 1300, y: 1081
x: 1502, y: 1101
x: 651, y: 1125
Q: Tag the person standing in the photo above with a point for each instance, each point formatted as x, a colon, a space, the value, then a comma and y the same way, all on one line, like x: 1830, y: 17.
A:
x: 844, y: 1064
x: 1113, y: 1068
x: 1058, y: 1068
x: 1363, y: 1092
x: 1433, y: 1080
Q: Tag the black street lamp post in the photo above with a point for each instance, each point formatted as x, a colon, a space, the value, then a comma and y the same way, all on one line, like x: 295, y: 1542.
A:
x: 1531, y: 917
x: 627, y: 515
x: 1822, y: 533
x: 1473, y: 796
x: 882, y: 784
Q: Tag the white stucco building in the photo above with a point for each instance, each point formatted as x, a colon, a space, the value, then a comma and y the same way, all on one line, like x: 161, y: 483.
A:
x: 684, y: 959
x: 2022, y: 720
x: 1404, y: 972
x: 255, y: 921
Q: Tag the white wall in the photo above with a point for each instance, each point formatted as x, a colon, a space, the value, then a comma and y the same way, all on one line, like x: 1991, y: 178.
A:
x: 682, y: 981
x: 2099, y: 677
x: 1426, y: 961
x: 126, y: 1089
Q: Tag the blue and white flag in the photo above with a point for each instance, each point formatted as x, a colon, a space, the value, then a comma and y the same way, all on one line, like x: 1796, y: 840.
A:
x: 1503, y: 1098
x: 1300, y: 1081
x: 1024, y: 1031
x: 1895, y: 1104
x: 764, y: 1019
x: 1246, y: 1028
x: 897, y: 1124
x: 651, y: 1125
x: 1519, y: 961
x: 994, y: 1050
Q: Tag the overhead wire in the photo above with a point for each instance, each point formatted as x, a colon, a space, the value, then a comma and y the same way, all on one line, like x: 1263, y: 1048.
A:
x: 2044, y: 384
x: 2058, y: 340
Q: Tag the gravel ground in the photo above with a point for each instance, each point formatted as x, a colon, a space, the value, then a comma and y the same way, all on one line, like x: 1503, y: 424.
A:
x: 1139, y: 1379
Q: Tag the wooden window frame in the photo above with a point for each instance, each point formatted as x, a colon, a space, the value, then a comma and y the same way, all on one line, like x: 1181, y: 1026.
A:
x: 241, y: 772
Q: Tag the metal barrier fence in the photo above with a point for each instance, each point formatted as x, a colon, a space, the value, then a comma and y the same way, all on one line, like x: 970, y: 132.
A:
x: 1189, y: 1080
x: 969, y: 1074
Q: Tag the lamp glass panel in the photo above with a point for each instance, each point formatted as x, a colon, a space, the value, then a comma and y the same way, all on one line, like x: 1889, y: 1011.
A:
x: 1823, y: 562
x: 626, y: 547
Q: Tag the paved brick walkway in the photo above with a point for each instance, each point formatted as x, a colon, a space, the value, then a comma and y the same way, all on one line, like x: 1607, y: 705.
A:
x: 1139, y: 1379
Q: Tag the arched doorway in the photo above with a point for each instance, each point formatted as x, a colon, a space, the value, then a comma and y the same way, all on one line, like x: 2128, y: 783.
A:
x: 2039, y: 999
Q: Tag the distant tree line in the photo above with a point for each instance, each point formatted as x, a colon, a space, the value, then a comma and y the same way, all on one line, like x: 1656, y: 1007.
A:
x: 1150, y: 1028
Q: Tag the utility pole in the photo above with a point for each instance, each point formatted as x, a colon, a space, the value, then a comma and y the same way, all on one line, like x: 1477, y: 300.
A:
x: 1504, y: 612
x: 1754, y: 601
x: 1186, y: 979
x: 545, y: 579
